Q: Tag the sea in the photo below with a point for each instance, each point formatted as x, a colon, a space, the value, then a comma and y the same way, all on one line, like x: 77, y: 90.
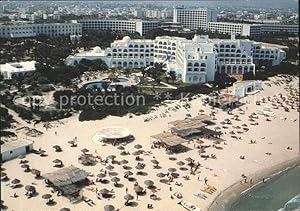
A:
x: 281, y: 193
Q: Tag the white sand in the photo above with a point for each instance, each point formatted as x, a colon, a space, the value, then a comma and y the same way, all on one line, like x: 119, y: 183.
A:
x: 226, y: 169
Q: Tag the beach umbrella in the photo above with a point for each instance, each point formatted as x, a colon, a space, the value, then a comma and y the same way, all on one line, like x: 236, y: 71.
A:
x: 30, y: 188
x: 172, y: 170
x: 120, y: 147
x: 201, y: 110
x: 244, y: 125
x: 124, y: 161
x: 101, y: 175
x: 164, y: 181
x: 180, y: 163
x: 175, y: 175
x: 47, y: 196
x: 155, y: 162
x: 138, y: 146
x: 189, y: 159
x: 109, y: 208
x: 128, y: 173
x: 85, y: 150
x: 160, y: 175
x: 71, y: 142
x: 115, y: 180
x: 36, y: 172
x: 128, y: 197
x: 56, y: 161
x: 126, y: 167
x: 138, y: 188
x: 139, y: 166
x: 56, y: 146
x: 232, y: 132
x: 24, y: 166
x: 183, y: 168
x: 65, y: 209
x: 238, y: 127
x: 149, y: 183
x: 112, y: 157
x: 104, y: 191
x: 110, y: 167
x: 15, y: 181
x: 172, y: 158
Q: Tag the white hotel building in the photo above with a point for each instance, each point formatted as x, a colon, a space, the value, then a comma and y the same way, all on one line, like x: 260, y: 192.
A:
x: 32, y: 30
x: 250, y: 29
x: 194, y: 18
x: 194, y: 61
x: 140, y: 26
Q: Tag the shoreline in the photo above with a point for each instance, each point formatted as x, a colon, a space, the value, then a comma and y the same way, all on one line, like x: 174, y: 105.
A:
x: 228, y: 196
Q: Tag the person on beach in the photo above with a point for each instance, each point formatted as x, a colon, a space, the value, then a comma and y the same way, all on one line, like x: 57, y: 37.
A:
x: 205, y: 180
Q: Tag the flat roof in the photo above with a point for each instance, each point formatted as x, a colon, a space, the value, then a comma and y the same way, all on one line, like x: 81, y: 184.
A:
x: 12, y: 145
x: 169, y: 139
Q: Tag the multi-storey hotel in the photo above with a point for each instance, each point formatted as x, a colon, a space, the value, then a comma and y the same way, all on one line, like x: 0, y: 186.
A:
x: 140, y: 26
x: 250, y: 29
x: 32, y: 30
x: 194, y: 18
x: 194, y: 61
x: 229, y: 28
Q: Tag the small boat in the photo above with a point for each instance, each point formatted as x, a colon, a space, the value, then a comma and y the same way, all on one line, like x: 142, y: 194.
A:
x: 189, y: 206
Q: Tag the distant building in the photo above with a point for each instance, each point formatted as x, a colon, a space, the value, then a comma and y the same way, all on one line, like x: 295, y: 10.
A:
x: 229, y: 28
x: 194, y: 61
x: 140, y: 26
x: 256, y: 29
x: 243, y: 88
x: 32, y: 30
x: 244, y: 29
x: 13, y: 149
x: 16, y: 69
x: 194, y: 18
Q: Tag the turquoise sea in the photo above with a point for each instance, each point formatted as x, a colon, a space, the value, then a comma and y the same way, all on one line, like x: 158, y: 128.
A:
x: 280, y: 193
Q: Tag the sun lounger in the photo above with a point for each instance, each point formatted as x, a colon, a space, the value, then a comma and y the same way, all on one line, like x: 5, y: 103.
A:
x: 200, y: 195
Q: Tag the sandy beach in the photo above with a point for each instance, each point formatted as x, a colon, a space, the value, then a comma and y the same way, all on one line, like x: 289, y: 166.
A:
x: 272, y: 137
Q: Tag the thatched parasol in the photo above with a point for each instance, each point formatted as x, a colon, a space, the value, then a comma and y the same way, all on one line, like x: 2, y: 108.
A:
x: 149, y: 183
x: 138, y: 146
x: 172, y: 170
x: 180, y: 163
x: 65, y: 209
x: 47, y: 196
x: 30, y: 188
x: 110, y: 167
x: 160, y: 175
x: 104, y: 191
x: 109, y: 208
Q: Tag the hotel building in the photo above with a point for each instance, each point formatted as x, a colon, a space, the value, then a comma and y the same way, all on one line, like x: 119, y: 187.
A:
x: 32, y: 30
x: 250, y: 29
x: 194, y: 61
x: 194, y: 18
x: 140, y: 26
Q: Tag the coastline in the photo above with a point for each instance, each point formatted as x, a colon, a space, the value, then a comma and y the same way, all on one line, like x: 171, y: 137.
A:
x: 228, y: 196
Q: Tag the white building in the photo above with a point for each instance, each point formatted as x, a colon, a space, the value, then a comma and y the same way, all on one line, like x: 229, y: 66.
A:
x: 237, y: 56
x: 194, y: 18
x: 229, y: 28
x: 13, y: 149
x: 256, y: 29
x: 194, y: 61
x: 250, y: 29
x: 243, y: 88
x: 16, y: 69
x: 32, y: 30
x: 140, y: 26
